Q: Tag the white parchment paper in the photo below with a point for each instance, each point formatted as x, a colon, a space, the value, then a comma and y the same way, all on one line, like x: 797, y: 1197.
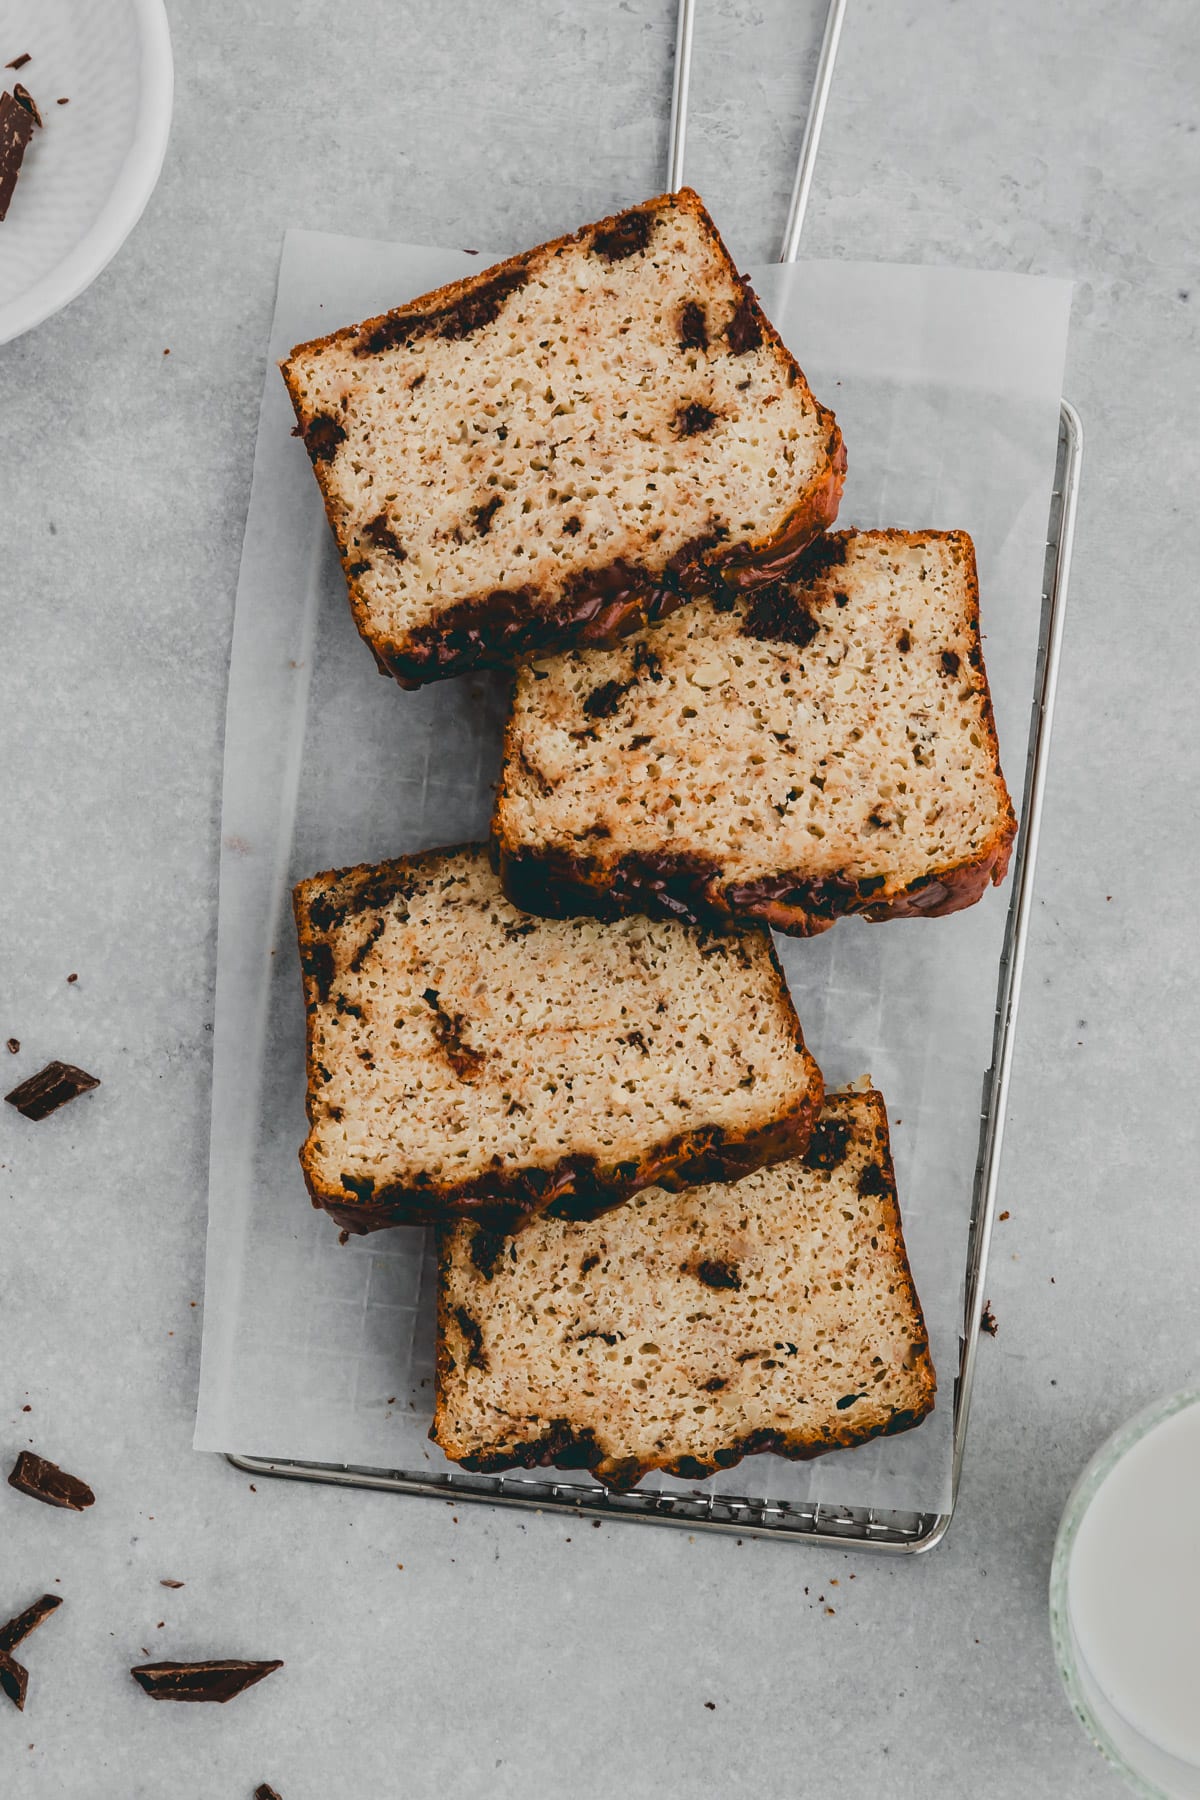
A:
x: 946, y: 384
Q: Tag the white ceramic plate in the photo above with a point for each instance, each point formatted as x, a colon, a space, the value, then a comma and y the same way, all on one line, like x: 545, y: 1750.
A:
x: 90, y: 170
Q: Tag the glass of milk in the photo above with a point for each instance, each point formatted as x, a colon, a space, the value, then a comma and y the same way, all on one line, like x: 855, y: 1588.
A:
x: 1125, y: 1599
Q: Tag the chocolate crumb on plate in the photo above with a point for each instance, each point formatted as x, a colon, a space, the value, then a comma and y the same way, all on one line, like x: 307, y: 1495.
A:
x: 987, y: 1320
x: 16, y: 128
x: 52, y: 1086
x: 14, y: 1044
x: 265, y: 1792
x: 45, y: 1481
x: 14, y: 1679
x: 18, y: 62
x: 171, y: 1584
x: 19, y: 1627
x: 64, y: 101
x: 215, y: 1681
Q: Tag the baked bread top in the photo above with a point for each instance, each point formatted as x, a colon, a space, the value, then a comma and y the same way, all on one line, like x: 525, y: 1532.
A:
x: 684, y: 1331
x: 822, y: 747
x: 465, y: 1057
x: 562, y: 445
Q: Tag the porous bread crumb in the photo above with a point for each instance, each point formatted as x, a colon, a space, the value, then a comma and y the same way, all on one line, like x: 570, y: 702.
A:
x: 611, y: 398
x: 459, y: 1049
x: 683, y: 1331
x: 831, y: 742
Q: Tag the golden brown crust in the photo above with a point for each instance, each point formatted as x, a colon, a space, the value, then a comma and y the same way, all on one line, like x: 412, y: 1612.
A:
x: 606, y: 603
x: 579, y: 1186
x: 558, y: 883
x: 560, y: 1445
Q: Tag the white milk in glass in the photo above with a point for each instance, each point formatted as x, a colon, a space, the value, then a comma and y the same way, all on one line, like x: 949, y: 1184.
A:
x: 1133, y: 1603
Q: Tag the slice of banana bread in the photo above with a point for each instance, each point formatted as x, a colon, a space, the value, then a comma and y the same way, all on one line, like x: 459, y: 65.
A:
x: 823, y: 747
x: 562, y: 445
x: 464, y: 1057
x: 685, y: 1331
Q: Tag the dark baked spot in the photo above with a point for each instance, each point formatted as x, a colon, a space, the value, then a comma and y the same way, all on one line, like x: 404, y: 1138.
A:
x: 603, y: 701
x: 841, y: 599
x: 449, y: 1028
x: 645, y: 662
x: 487, y: 1248
x: 848, y: 1400
x: 828, y: 1144
x: 873, y: 1182
x: 692, y: 419
x: 482, y: 516
x: 316, y: 960
x: 624, y: 237
x: 356, y: 569
x: 322, y: 437
x: 718, y: 1274
x: 744, y: 330
x: 715, y: 1383
x: 361, y: 1186
x: 473, y: 1335
x: 950, y: 661
x: 693, y: 327
x: 589, y: 1262
x: 378, y: 531
x: 368, y: 944
x: 342, y: 1005
x: 572, y: 526
x: 904, y: 643
x: 637, y: 1041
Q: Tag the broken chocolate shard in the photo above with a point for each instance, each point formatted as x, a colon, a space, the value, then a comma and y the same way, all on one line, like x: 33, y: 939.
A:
x: 264, y: 1791
x: 52, y: 1086
x: 46, y: 1482
x: 24, y: 98
x: 213, y: 1681
x: 14, y: 1045
x: 14, y: 1679
x: 19, y: 1627
x: 171, y: 1584
x: 18, y: 62
x: 16, y: 129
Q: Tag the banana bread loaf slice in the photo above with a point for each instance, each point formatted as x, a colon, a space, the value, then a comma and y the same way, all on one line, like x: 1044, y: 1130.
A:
x: 562, y: 445
x: 822, y: 747
x: 464, y: 1057
x: 685, y: 1331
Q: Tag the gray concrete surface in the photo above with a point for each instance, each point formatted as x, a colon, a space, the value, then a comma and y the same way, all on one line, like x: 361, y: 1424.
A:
x: 515, y: 1656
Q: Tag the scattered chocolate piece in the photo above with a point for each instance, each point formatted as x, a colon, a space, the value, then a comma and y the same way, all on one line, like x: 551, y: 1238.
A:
x: 264, y: 1792
x: 170, y: 1584
x: 218, y: 1681
x: 24, y: 98
x: 19, y: 1628
x: 45, y: 1481
x: 16, y: 128
x: 987, y: 1320
x: 14, y: 1045
x: 54, y: 1085
x: 711, y: 1705
x: 65, y: 101
x: 71, y: 978
x: 14, y: 1679
x: 18, y: 62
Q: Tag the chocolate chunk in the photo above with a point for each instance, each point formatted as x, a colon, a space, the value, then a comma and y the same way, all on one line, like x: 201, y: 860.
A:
x: 449, y: 1027
x: 473, y: 1335
x: 18, y: 62
x: 13, y: 1679
x: 50, y: 1088
x: 46, y: 1482
x: 322, y: 437
x: 950, y: 661
x: 16, y: 128
x: 19, y: 1627
x: 24, y: 98
x: 625, y: 237
x: 215, y: 1681
x: 873, y: 1183
x: 170, y: 1584
x: 744, y: 331
x: 482, y: 516
x: 694, y: 418
x: 14, y: 1044
x: 777, y: 615
x: 719, y: 1275
x: 603, y: 701
x: 828, y: 1144
x: 379, y: 531
x: 693, y: 328
x: 264, y: 1792
x: 987, y: 1319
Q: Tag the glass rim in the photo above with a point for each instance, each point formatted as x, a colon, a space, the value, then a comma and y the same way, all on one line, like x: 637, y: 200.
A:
x: 1093, y: 1475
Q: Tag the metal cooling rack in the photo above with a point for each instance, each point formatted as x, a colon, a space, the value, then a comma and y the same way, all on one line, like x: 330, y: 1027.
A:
x: 823, y: 1522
